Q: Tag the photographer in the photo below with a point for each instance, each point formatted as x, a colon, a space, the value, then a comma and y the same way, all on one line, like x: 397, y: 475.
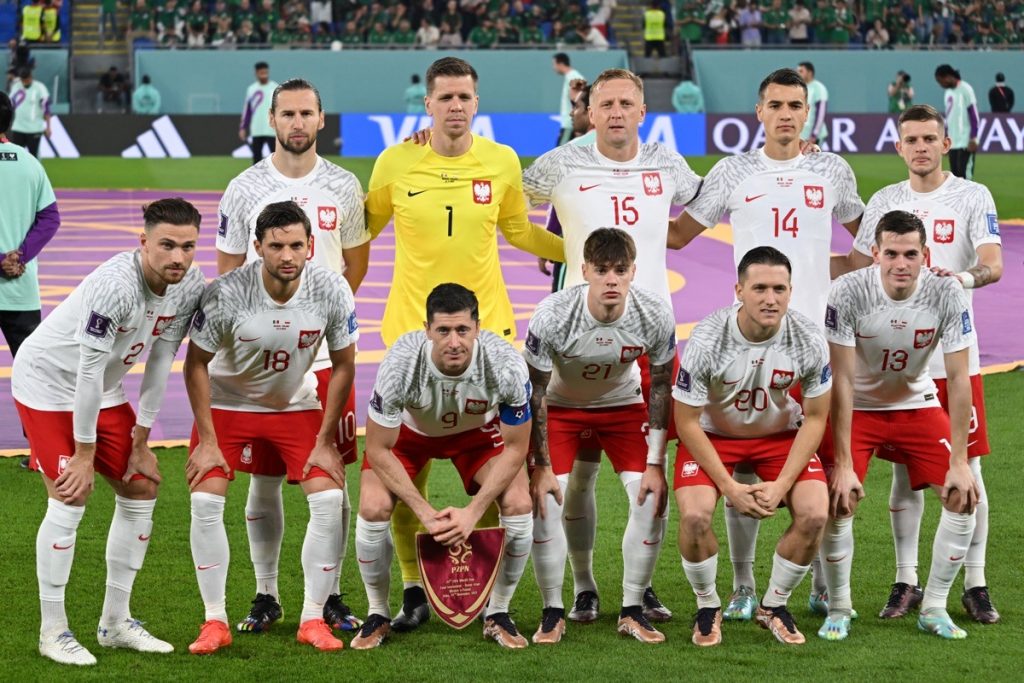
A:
x: 901, y: 93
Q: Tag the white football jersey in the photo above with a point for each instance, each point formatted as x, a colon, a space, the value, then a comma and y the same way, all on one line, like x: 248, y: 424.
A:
x: 744, y: 386
x: 330, y: 196
x: 265, y: 349
x: 593, y: 364
x: 896, y: 339
x: 788, y: 205
x: 112, y: 310
x: 959, y: 216
x: 590, y: 191
x: 410, y: 390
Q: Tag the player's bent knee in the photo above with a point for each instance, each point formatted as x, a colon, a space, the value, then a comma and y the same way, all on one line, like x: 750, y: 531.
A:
x: 136, y: 489
x: 515, y: 501
x: 695, y: 521
x: 318, y: 484
x: 218, y: 486
x: 376, y: 504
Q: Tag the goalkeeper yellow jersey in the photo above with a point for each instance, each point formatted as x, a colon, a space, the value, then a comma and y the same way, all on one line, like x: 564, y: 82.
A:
x: 446, y: 212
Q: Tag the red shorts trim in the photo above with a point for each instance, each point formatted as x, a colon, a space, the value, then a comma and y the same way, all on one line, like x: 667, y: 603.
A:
x: 268, y: 463
x: 644, y: 362
x: 51, y: 438
x: 766, y: 455
x: 468, y: 451
x: 921, y: 434
x: 618, y: 431
x: 290, y: 435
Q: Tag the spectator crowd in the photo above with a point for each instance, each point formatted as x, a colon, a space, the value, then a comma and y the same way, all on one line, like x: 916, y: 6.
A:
x: 381, y: 23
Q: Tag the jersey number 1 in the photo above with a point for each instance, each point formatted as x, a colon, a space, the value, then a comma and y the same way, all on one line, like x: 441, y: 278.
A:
x: 450, y: 211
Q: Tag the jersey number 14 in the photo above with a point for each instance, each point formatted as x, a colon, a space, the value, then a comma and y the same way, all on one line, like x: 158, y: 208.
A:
x: 785, y: 223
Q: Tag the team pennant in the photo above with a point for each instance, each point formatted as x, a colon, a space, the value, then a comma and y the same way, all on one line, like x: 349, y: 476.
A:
x: 458, y: 579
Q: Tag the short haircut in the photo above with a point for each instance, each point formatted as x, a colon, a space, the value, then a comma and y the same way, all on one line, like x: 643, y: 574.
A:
x: 25, y: 72
x: 452, y: 67
x: 452, y: 298
x: 807, y: 65
x: 562, y: 58
x: 281, y: 215
x: 900, y: 223
x: 172, y: 211
x: 923, y: 112
x: 763, y: 256
x: 615, y: 75
x: 6, y: 112
x: 145, y: 80
x: 946, y: 70
x: 295, y: 84
x: 609, y: 247
x: 415, y: 78
x: 787, y: 77
x: 261, y: 65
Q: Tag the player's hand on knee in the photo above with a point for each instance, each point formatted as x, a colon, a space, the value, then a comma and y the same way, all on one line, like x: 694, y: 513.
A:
x: 327, y: 458
x: 653, y: 484
x: 844, y: 492
x: 768, y: 494
x: 142, y: 461
x: 543, y: 482
x: 204, y: 459
x: 960, y: 491
x: 76, y: 481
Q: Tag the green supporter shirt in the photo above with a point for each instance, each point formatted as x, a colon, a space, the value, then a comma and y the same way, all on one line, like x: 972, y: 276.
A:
x: 775, y: 20
x: 413, y: 97
x: 146, y: 100
x: 531, y: 35
x: 483, y: 37
x: 241, y: 16
x: 874, y: 9
x: 378, y: 38
x: 403, y: 37
x: 688, y: 30
x: 27, y: 191
x: 353, y: 38
x: 142, y: 19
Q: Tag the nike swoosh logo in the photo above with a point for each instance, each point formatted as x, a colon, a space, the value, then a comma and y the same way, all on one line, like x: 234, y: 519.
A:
x: 778, y: 592
x: 123, y: 330
x: 812, y: 470
x: 413, y: 194
x: 362, y: 561
x: 243, y: 339
x: 955, y: 559
x: 514, y: 555
x: 62, y: 547
x: 575, y: 519
x: 858, y: 335
x: 567, y: 356
x: 584, y: 188
x: 204, y: 567
x: 735, y: 381
x: 646, y: 542
x: 546, y: 540
x: 834, y: 560
x: 253, y: 519
x: 331, y: 568
x: 897, y: 509
x: 750, y: 199
x: 144, y: 538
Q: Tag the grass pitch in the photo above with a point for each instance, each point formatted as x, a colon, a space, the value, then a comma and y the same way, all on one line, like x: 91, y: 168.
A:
x: 167, y: 598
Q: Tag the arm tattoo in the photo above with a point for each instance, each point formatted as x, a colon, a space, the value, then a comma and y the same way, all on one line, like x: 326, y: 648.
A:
x: 539, y: 407
x: 982, y: 274
x: 659, y: 404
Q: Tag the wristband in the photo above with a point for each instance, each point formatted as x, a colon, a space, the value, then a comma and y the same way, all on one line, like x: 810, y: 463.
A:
x: 967, y: 279
x: 656, y: 439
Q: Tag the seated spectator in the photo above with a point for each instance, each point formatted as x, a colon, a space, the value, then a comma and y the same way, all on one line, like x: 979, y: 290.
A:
x: 169, y: 19
x: 302, y: 34
x: 453, y: 18
x: 220, y: 11
x: 908, y: 36
x: 404, y: 35
x: 268, y: 16
x: 223, y: 36
x: 323, y: 36
x: 352, y: 34
x: 483, y: 36
x: 590, y: 36
x: 112, y: 88
x: 379, y: 34
x: 427, y: 35
x: 146, y: 98
x: 878, y: 36
x: 140, y: 23
x: 280, y: 37
x: 531, y: 33
x: 247, y: 35
x: 956, y: 35
x: 800, y: 24
x: 244, y: 12
x: 449, y: 36
x: 507, y: 34
x: 937, y: 36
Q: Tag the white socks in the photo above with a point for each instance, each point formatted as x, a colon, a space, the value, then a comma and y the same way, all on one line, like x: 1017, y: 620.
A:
x: 550, y: 550
x: 905, y: 509
x: 127, y: 542
x: 701, y: 576
x: 55, y: 551
x: 785, y: 577
x: 320, y: 551
x: 580, y: 518
x: 210, y: 552
x: 836, y: 561
x: 742, y: 533
x: 264, y: 523
x: 641, y: 542
x: 518, y: 540
x: 974, y: 565
x: 346, y: 518
x: 374, y: 551
x: 952, y: 539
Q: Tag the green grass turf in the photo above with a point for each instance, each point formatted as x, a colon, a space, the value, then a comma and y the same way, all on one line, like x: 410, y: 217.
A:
x: 167, y: 598
x: 1000, y: 172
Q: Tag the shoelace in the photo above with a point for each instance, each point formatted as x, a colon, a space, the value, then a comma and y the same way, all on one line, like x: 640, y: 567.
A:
x: 550, y: 621
x: 68, y: 643
x: 983, y: 600
x: 651, y: 599
x: 898, y: 591
x: 705, y: 619
x: 503, y: 620
x: 783, y: 615
x: 585, y: 600
x: 372, y: 623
